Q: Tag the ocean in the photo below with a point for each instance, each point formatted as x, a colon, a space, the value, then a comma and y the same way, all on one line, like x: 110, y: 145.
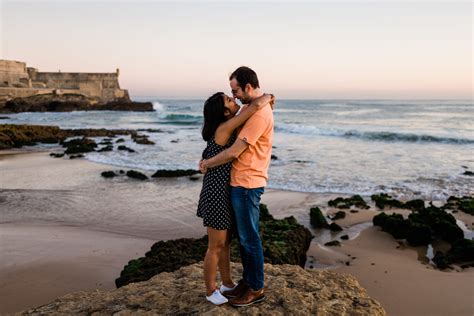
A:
x: 409, y: 149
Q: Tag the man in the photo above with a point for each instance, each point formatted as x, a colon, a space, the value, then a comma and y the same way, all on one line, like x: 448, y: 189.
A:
x: 251, y: 155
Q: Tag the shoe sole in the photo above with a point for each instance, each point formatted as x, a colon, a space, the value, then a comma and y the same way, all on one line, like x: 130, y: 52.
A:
x: 261, y: 299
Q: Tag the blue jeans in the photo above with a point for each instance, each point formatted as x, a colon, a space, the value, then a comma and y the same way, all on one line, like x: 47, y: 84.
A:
x: 246, y: 205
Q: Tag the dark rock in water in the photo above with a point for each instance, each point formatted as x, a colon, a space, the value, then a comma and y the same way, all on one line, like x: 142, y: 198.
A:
x: 345, y: 237
x: 105, y: 142
x: 142, y: 139
x: 79, y: 145
x: 4, y: 118
x: 150, y: 130
x: 382, y: 200
x: 284, y: 242
x: 76, y: 156
x: 273, y: 157
x: 15, y: 136
x: 53, y: 102
x: 122, y: 147
x: 355, y: 200
x: 464, y: 203
x: 120, y: 140
x: 174, y: 141
x: 339, y: 215
x: 468, y: 173
x: 333, y: 243
x: 348, y: 263
x: 108, y: 174
x: 174, y: 173
x: 136, y: 175
x: 121, y: 171
x: 354, y: 211
x: 465, y: 167
x: 194, y: 178
x: 106, y: 148
x: 57, y: 155
x: 317, y: 218
x: 334, y: 227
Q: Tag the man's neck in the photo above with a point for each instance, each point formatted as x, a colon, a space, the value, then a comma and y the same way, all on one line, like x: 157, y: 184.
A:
x: 257, y: 93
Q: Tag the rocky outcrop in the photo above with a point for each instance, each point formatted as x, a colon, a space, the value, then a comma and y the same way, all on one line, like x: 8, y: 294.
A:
x: 51, y: 102
x: 284, y: 242
x: 384, y: 200
x: 290, y: 290
x: 427, y: 224
x: 355, y: 200
x: 15, y: 136
x: 463, y: 203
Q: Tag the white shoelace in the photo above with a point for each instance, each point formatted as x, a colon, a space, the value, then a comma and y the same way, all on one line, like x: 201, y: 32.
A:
x: 217, y: 298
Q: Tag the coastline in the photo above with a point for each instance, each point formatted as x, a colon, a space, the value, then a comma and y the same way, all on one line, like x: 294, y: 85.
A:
x: 79, y: 246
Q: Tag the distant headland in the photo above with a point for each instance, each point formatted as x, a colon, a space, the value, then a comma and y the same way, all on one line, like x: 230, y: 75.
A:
x: 25, y: 89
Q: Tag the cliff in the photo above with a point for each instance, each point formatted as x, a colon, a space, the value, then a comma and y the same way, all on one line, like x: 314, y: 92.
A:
x: 290, y: 290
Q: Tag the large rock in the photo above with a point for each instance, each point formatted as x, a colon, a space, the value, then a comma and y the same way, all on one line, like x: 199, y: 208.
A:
x: 290, y: 290
x: 355, y: 200
x: 284, y: 242
x: 384, y: 200
x: 13, y: 135
x: 463, y: 203
x: 52, y: 102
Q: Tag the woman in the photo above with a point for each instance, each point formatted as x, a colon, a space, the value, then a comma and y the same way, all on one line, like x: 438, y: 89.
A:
x: 215, y: 208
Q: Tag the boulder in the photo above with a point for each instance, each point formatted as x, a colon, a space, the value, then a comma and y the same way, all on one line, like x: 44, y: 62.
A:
x: 291, y: 290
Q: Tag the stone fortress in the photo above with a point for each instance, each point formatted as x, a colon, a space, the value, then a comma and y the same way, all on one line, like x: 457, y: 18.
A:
x: 19, y: 81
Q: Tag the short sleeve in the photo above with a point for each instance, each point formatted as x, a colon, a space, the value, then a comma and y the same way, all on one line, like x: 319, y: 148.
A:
x: 253, y: 129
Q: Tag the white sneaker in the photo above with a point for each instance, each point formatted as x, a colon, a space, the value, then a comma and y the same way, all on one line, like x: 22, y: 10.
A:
x: 217, y: 298
x: 224, y: 288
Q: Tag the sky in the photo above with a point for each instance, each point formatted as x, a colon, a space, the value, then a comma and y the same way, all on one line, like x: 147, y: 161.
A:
x: 300, y: 50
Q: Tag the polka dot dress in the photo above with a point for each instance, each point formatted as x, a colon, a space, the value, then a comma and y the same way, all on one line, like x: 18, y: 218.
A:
x: 215, y: 207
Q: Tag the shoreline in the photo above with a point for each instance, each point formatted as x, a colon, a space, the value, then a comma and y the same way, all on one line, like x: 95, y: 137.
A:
x: 70, y: 197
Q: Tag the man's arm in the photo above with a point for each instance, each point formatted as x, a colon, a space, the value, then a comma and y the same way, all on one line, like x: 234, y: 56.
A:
x: 225, y: 156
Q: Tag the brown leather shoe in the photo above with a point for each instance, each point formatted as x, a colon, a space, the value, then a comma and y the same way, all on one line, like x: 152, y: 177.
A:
x: 248, y: 298
x: 238, y: 291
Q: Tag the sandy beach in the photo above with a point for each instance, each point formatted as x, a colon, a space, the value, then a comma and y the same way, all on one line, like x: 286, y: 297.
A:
x: 64, y: 228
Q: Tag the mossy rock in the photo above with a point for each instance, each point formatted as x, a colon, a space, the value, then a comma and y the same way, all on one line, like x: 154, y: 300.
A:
x: 317, y: 218
x: 284, y: 242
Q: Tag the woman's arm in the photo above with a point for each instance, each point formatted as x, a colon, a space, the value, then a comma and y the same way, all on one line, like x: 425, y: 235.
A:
x: 225, y: 130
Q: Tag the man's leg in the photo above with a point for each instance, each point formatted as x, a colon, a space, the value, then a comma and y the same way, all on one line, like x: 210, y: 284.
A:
x: 246, y: 204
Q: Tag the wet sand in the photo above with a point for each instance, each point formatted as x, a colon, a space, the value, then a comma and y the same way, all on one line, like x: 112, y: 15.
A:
x: 64, y: 228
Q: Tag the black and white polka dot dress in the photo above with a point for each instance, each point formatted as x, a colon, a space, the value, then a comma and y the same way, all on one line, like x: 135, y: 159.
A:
x: 215, y: 207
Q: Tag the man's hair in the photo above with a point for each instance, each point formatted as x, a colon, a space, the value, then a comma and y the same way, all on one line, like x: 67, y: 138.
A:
x: 245, y: 75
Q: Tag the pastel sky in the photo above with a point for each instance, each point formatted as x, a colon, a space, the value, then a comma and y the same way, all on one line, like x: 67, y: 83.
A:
x: 315, y: 49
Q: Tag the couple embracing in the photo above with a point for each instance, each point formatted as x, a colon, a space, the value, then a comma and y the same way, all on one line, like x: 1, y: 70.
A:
x: 235, y: 165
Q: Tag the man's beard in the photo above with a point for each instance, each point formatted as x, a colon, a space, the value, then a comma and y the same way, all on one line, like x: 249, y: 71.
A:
x: 245, y: 100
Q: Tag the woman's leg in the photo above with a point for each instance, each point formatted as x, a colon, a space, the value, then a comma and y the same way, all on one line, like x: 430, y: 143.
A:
x: 224, y: 262
x: 217, y: 240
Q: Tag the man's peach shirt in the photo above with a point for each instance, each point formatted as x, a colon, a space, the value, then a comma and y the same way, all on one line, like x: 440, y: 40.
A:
x: 250, y: 169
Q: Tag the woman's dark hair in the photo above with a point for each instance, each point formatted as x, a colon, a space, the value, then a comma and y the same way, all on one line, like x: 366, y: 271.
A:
x: 214, y: 108
x: 245, y: 75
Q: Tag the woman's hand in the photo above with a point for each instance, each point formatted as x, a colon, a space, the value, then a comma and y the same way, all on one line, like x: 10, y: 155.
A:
x: 263, y: 101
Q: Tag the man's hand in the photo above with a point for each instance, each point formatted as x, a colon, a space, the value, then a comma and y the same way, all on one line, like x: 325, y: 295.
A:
x: 202, y: 166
